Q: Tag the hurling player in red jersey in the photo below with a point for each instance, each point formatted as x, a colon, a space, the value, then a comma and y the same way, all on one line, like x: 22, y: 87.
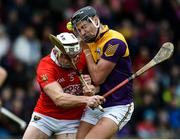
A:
x: 61, y: 102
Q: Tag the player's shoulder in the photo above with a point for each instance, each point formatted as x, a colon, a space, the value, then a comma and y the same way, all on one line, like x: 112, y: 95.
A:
x: 82, y: 56
x: 45, y: 59
x: 115, y: 34
x: 108, y: 34
x: 45, y: 62
x: 82, y: 59
x: 114, y: 37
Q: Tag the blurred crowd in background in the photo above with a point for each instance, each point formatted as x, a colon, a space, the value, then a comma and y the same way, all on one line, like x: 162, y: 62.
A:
x: 146, y: 25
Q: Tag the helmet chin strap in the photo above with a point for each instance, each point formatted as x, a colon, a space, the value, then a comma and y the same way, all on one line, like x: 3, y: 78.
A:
x: 97, y: 33
x: 94, y: 38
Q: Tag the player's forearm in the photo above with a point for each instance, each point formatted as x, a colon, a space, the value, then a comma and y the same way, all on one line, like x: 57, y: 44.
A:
x: 68, y: 101
x: 93, y: 68
x: 61, y: 99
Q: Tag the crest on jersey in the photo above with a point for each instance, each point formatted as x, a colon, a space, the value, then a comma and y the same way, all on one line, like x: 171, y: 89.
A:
x: 111, y: 49
x: 98, y: 51
x: 44, y: 77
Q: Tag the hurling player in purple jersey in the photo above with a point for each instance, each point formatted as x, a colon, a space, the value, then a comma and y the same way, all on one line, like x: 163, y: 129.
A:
x: 109, y: 63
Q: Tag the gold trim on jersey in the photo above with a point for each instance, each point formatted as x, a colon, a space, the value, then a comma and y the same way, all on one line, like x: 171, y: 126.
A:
x: 111, y: 49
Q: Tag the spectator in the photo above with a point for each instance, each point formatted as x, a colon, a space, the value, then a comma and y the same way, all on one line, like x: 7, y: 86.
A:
x: 27, y: 45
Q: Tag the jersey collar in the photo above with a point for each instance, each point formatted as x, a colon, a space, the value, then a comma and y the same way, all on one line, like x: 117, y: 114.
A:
x: 102, y: 32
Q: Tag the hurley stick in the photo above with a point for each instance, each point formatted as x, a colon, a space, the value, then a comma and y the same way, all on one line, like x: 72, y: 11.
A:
x: 163, y: 54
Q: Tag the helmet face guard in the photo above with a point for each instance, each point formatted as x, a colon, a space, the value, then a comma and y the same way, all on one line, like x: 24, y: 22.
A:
x: 73, y: 49
x: 86, y: 29
x: 83, y: 24
x: 70, y: 44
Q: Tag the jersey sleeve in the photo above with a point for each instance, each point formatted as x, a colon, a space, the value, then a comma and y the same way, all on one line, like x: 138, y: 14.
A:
x: 45, y: 74
x: 114, y: 49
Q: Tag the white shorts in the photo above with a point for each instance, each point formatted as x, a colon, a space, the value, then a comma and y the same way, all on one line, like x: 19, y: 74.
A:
x: 120, y: 114
x: 50, y: 126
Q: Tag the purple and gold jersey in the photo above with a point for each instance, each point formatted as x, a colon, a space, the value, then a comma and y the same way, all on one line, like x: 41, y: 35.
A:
x: 113, y: 47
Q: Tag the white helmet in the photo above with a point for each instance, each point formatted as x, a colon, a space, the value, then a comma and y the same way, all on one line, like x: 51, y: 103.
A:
x: 70, y: 43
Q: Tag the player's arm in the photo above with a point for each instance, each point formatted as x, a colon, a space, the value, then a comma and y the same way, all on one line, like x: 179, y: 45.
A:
x: 112, y: 51
x: 3, y: 75
x: 99, y: 71
x: 65, y: 100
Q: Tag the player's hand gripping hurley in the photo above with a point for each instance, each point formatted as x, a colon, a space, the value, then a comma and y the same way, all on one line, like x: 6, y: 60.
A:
x: 58, y: 44
x: 163, y: 54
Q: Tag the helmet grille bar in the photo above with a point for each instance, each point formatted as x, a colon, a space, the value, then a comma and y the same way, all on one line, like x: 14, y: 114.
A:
x: 70, y: 44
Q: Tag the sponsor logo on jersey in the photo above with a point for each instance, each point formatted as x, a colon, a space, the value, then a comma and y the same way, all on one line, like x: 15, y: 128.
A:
x: 73, y: 89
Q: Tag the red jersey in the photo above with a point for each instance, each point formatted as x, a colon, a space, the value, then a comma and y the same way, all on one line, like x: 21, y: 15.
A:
x: 48, y: 71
